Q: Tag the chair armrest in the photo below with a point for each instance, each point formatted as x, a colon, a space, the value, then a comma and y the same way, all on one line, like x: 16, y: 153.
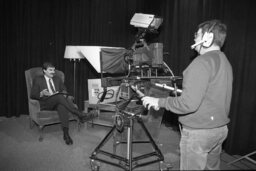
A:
x: 33, y: 101
x: 71, y: 98
x: 34, y: 106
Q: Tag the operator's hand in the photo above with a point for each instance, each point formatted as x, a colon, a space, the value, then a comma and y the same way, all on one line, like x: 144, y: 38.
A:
x: 45, y: 92
x: 149, y: 102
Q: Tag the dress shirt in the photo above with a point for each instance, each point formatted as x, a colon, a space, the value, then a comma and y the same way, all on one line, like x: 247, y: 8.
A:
x: 48, y: 85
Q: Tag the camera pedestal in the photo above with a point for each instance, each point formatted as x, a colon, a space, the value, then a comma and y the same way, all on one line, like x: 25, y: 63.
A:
x: 129, y: 162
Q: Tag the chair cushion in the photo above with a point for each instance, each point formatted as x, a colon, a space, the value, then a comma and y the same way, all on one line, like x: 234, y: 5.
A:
x: 47, y: 117
x: 47, y: 114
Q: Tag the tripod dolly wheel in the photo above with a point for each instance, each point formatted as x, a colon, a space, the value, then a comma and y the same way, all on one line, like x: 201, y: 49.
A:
x: 165, y: 166
x: 95, y: 166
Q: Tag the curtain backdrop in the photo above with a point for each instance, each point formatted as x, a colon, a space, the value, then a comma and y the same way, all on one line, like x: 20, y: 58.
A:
x: 34, y: 31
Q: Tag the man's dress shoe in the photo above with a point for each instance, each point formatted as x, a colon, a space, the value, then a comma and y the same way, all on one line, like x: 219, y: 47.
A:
x: 86, y: 117
x: 67, y: 139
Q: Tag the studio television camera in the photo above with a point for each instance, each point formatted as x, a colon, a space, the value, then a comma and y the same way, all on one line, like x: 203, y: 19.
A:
x: 141, y: 64
x: 135, y: 70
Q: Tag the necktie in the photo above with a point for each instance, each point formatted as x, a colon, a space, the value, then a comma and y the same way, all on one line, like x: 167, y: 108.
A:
x: 51, y: 86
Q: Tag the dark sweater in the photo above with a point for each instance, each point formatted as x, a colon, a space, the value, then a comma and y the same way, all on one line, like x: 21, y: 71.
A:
x: 207, y: 90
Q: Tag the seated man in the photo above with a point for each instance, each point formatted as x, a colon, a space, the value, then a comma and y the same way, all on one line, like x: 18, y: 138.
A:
x: 44, y: 89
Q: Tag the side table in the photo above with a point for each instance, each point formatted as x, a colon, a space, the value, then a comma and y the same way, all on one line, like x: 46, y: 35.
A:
x: 105, y: 112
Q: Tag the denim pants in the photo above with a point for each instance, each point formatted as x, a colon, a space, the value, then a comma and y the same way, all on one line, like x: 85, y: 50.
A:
x: 200, y: 149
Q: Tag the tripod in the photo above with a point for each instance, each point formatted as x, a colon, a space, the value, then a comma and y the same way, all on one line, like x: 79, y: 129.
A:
x: 125, y: 120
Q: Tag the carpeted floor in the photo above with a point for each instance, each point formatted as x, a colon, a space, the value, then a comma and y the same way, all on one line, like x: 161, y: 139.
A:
x: 21, y: 150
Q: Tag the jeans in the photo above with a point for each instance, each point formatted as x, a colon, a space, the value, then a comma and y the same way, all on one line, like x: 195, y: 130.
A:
x: 200, y: 149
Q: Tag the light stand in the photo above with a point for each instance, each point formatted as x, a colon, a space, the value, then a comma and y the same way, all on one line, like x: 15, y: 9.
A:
x: 73, y: 53
x: 74, y: 78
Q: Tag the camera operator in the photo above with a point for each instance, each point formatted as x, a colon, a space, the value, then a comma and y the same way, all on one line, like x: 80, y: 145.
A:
x: 204, y: 104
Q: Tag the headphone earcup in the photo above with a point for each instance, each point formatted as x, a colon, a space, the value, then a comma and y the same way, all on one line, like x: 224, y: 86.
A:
x: 208, y: 39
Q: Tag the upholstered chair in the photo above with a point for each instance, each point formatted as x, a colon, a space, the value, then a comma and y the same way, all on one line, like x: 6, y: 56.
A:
x: 39, y: 117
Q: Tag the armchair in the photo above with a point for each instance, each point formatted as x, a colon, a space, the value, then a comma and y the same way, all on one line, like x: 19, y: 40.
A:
x: 39, y: 117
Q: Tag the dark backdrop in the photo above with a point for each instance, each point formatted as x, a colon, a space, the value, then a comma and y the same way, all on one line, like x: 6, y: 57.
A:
x: 33, y: 31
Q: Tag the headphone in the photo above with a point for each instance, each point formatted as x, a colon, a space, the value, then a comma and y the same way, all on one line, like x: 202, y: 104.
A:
x: 207, y: 38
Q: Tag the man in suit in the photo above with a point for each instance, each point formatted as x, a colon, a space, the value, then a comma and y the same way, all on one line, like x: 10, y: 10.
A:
x: 52, y: 95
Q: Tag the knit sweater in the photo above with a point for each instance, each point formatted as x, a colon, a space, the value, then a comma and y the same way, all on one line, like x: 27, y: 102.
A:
x: 207, y: 91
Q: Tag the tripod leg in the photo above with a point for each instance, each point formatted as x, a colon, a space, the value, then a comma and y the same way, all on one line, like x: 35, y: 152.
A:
x: 151, y: 139
x: 95, y: 166
x: 106, y: 138
x: 162, y: 165
x: 115, y: 143
x: 129, y: 145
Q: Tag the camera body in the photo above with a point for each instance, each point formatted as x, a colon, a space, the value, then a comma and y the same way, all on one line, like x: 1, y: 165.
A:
x: 151, y: 55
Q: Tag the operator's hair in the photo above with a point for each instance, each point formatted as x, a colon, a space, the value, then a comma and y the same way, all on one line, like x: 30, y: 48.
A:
x: 218, y: 28
x: 47, y: 65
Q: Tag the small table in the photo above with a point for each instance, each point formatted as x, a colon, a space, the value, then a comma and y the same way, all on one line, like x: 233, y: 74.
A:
x: 105, y: 113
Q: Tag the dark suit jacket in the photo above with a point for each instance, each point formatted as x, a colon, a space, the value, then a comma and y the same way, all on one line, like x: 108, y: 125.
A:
x: 39, y: 84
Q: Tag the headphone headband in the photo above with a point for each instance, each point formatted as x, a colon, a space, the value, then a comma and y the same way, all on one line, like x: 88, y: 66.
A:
x: 212, y: 27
